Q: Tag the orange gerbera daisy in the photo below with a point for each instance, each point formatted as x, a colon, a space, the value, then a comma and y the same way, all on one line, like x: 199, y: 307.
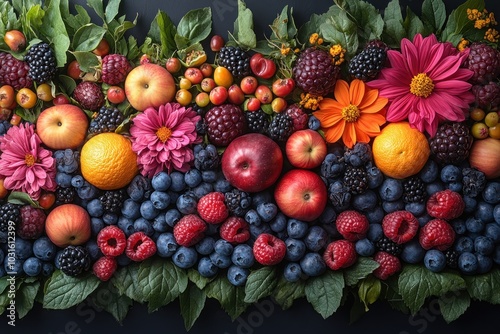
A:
x: 356, y: 113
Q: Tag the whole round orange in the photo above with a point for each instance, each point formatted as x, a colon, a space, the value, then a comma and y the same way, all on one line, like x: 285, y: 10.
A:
x: 400, y: 151
x: 108, y: 162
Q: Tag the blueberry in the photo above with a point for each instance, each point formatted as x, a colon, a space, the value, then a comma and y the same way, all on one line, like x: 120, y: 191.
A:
x: 205, y: 246
x: 166, y: 245
x: 202, y: 189
x: 131, y: 209
x: 491, y: 192
x: 292, y: 272
x: 87, y: 191
x: 496, y: 213
x: 209, y: 176
x: 77, y: 181
x: 262, y: 197
x: 496, y: 254
x: 192, y: 178
x: 256, y: 230
x: 44, y: 249
x: 279, y: 222
x: 458, y: 226
x: 172, y: 216
x: 220, y: 260
x: 95, y: 208
x: 110, y: 218
x: 32, y: 266
x: 295, y: 249
x: 47, y: 269
x: 223, y: 247
x: 375, y: 177
x: 267, y: 211
x: 160, y: 199
x: 365, y: 202
x: 474, y: 225
x: 424, y: 219
x: 126, y: 225
x: 123, y: 260
x: 429, y: 172
x: 207, y: 268
x: 312, y: 264
x: 139, y: 188
x: 141, y: 224
x: 331, y: 167
x: 484, y: 263
x: 492, y: 231
x: 185, y: 257
x: 391, y: 189
x: 392, y: 206
x: 222, y: 185
x: 313, y: 123
x: 186, y: 203
x: 148, y: 210
x: 23, y: 248
x: 451, y: 173
x: 470, y: 204
x: 316, y: 238
x: 237, y: 276
x: 375, y: 232
x: 161, y: 181
x: 412, y: 252
x: 435, y: 260
x: 93, y: 249
x: 177, y: 181
x: 160, y: 224
x: 455, y: 186
x: 467, y: 263
x: 484, y: 211
x: 252, y: 217
x: 56, y: 259
x: 243, y: 256
x: 484, y: 245
x: 328, y: 215
x: 376, y: 215
x: 15, y: 267
x: 434, y: 187
x: 417, y: 209
x: 63, y: 179
x: 296, y: 228
x: 364, y: 247
x: 464, y: 244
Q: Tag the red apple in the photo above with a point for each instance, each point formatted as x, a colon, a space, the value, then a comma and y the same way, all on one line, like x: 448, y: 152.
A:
x: 283, y: 87
x: 249, y: 84
x: 68, y: 224
x: 149, y: 85
x: 235, y: 94
x: 485, y: 156
x: 262, y: 67
x: 115, y: 94
x: 62, y: 126
x: 301, y: 194
x: 252, y: 162
x: 306, y: 149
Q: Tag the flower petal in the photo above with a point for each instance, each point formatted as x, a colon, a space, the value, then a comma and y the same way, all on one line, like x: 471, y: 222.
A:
x: 333, y: 134
x: 356, y: 92
x: 341, y: 93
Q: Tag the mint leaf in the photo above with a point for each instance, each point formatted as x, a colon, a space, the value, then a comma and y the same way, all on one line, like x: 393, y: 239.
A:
x: 325, y: 292
x: 433, y: 15
x: 87, y: 38
x: 167, y: 34
x: 125, y: 280
x: 111, y: 10
x: 97, y: 6
x: 260, y: 283
x: 193, y: 27
x: 192, y: 302
x: 286, y: 292
x: 359, y: 270
x: 108, y: 298
x: 25, y: 297
x: 341, y: 30
x: 243, y: 33
x: 64, y: 291
x: 416, y: 283
x: 369, y: 290
x: 452, y: 305
x: 200, y: 281
x: 485, y: 287
x: 161, y: 282
x: 54, y: 29
x: 18, y: 197
x: 230, y: 297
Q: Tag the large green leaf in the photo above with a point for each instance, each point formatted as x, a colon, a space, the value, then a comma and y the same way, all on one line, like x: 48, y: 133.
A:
x: 87, y: 37
x: 325, y: 292
x: 108, y: 298
x: 193, y: 27
x: 433, y: 15
x: 243, y: 33
x: 341, y: 30
x: 362, y: 268
x: 485, y: 287
x: 260, y: 283
x: 230, y: 297
x: 286, y: 292
x: 192, y: 302
x: 25, y: 297
x: 126, y: 281
x: 453, y: 304
x: 54, y: 29
x: 64, y: 291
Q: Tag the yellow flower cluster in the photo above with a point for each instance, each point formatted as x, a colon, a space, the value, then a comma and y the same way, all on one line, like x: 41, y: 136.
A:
x: 337, y: 52
x: 314, y: 39
x: 484, y: 19
x: 463, y: 44
x: 309, y: 101
x: 284, y: 50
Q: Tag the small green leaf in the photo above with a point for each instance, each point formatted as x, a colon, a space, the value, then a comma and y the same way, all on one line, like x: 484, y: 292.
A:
x: 453, y: 304
x: 54, y: 29
x: 25, y: 297
x: 230, y: 297
x: 341, y: 30
x: 394, y: 31
x: 194, y: 27
x: 68, y: 83
x: 74, y: 22
x: 433, y: 14
x: 286, y: 292
x: 359, y: 270
x: 325, y: 292
x: 243, y: 33
x: 167, y: 34
x: 412, y: 24
x: 22, y: 198
x: 192, y: 302
x: 87, y: 38
x: 108, y: 298
x: 485, y: 287
x: 64, y: 291
x: 260, y: 283
x: 366, y: 16
x: 87, y: 60
x: 111, y: 10
x: 125, y: 280
x: 3, y: 283
x: 283, y: 26
x: 458, y: 24
x: 97, y: 6
x: 200, y: 281
x: 369, y: 291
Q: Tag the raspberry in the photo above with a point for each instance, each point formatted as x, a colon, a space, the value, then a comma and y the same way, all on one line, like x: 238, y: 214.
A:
x: 483, y: 60
x: 400, y: 226
x: 340, y: 254
x: 299, y: 117
x: 225, y: 123
x: 115, y: 68
x: 352, y: 225
x: 314, y: 72
x: 487, y: 95
x: 32, y: 222
x: 235, y: 230
x: 269, y: 250
x: 111, y: 240
x: 140, y: 246
x: 388, y: 265
x: 445, y: 204
x: 212, y: 208
x: 189, y: 230
x: 438, y: 234
x: 89, y: 95
x: 14, y: 72
x: 105, y: 267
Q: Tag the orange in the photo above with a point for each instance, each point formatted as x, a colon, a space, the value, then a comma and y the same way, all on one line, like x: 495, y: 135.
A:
x: 223, y: 77
x: 400, y: 151
x: 108, y: 162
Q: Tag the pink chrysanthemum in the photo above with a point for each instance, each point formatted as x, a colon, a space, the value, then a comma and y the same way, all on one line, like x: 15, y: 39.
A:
x: 25, y: 164
x: 162, y: 138
x: 425, y: 83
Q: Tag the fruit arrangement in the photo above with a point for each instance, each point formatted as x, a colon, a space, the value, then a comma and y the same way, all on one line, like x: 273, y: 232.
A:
x: 358, y: 152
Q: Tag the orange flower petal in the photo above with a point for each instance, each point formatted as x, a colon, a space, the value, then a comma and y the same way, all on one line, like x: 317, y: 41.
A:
x: 356, y: 92
x: 349, y: 135
x: 369, y: 124
x: 369, y: 98
x: 327, y: 118
x: 334, y: 133
x: 361, y: 136
x: 375, y: 107
x: 341, y: 93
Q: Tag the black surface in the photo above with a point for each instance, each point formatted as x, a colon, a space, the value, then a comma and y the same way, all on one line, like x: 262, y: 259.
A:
x: 263, y: 317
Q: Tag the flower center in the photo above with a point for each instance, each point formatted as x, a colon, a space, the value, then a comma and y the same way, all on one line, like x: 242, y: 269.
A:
x: 350, y: 113
x: 421, y: 85
x: 163, y: 133
x: 29, y: 159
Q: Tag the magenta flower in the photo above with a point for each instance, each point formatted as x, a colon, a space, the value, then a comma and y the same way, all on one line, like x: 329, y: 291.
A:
x: 162, y: 138
x: 25, y: 164
x: 425, y: 83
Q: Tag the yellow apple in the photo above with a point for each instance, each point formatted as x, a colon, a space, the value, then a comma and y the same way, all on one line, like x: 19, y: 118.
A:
x: 68, y: 224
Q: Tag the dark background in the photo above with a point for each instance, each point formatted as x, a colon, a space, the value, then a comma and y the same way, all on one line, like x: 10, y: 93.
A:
x: 265, y: 316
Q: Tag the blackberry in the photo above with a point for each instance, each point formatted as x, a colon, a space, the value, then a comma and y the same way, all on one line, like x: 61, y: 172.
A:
x: 387, y: 245
x: 280, y: 127
x: 225, y: 123
x: 236, y: 60
x: 201, y: 126
x: 238, y: 202
x: 452, y: 143
x: 473, y: 182
x: 355, y: 179
x: 332, y: 166
x: 359, y: 155
x: 257, y: 121
x: 367, y: 64
x: 106, y: 120
x: 414, y: 190
x: 14, y: 72
x: 74, y: 260
x: 65, y: 195
x: 42, y: 62
x: 451, y: 258
x: 299, y: 117
x: 89, y: 95
x: 206, y: 157
x: 484, y: 61
x: 9, y: 212
x: 115, y: 68
x: 112, y: 200
x: 488, y: 95
x: 314, y: 72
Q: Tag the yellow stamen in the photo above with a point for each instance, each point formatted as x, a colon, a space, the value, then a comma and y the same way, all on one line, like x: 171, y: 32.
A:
x: 163, y: 133
x: 29, y: 159
x: 421, y: 85
x: 350, y: 113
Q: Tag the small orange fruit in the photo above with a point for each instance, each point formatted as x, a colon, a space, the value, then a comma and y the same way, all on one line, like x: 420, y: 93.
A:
x: 3, y: 191
x: 108, y: 162
x: 223, y: 77
x: 400, y: 151
x: 26, y: 98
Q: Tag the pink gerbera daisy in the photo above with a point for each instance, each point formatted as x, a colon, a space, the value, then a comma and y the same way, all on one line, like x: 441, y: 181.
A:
x: 24, y: 163
x: 162, y: 138
x: 425, y: 83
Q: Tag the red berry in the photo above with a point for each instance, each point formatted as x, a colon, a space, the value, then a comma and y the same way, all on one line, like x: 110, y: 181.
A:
x: 400, y: 226
x: 339, y: 254
x: 212, y: 209
x: 189, y: 230
x: 235, y: 230
x: 111, y: 240
x: 32, y: 224
x: 388, y: 265
x: 438, y: 234
x: 140, y: 246
x: 445, y: 204
x: 105, y: 267
x: 352, y: 225
x: 269, y: 250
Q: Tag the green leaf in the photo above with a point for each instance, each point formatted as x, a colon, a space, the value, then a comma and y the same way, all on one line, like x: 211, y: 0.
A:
x: 192, y: 302
x: 314, y: 23
x: 54, y: 29
x: 458, y: 24
x: 283, y: 26
x: 200, y: 281
x: 390, y: 291
x: 369, y: 290
x: 161, y: 282
x: 167, y: 34
x: 243, y: 33
x: 286, y: 292
x: 485, y: 287
x: 125, y: 280
x: 25, y: 297
x: 97, y: 6
x: 341, y: 30
x: 433, y: 14
x: 359, y: 270
x: 3, y: 283
x: 68, y: 83
x: 194, y: 27
x: 366, y: 16
x: 416, y: 283
x: 260, y: 283
x: 87, y: 60
x: 108, y: 298
x: 230, y: 297
x: 394, y: 31
x: 453, y: 304
x: 111, y: 10
x: 64, y: 291
x: 87, y: 38
x: 19, y: 197
x: 412, y: 24
x: 325, y: 292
